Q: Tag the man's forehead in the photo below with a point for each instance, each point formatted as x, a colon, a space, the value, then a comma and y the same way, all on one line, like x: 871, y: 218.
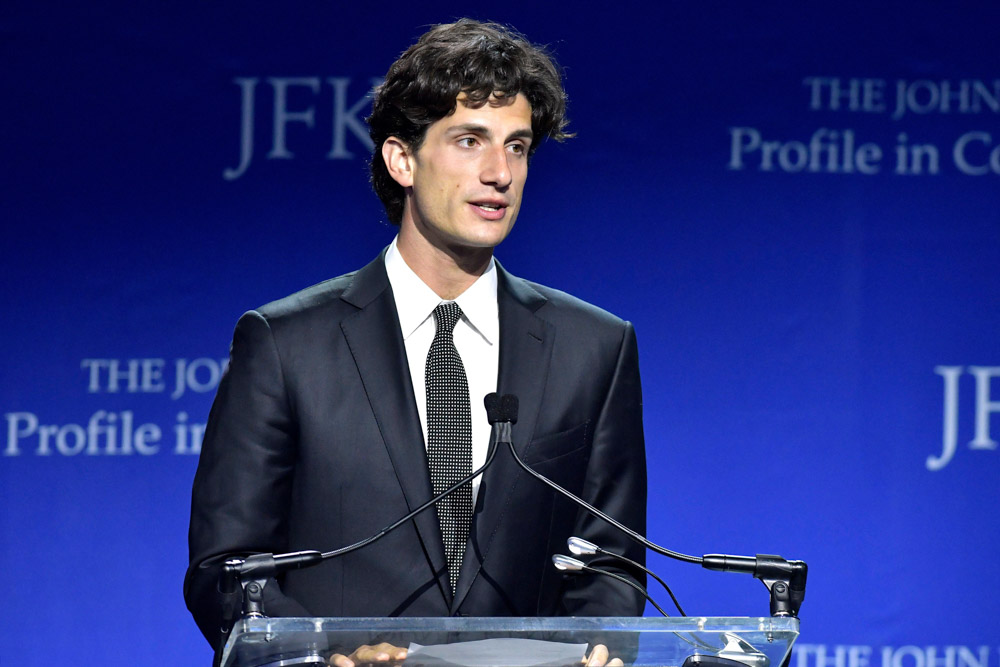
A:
x: 492, y: 109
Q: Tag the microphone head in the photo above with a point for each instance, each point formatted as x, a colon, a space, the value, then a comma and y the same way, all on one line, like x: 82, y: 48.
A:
x: 493, y: 409
x: 581, y: 547
x: 566, y: 563
x: 500, y: 409
x: 508, y: 406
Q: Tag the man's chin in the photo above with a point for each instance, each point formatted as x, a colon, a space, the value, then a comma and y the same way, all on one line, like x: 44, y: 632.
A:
x: 466, y: 248
x: 485, y: 239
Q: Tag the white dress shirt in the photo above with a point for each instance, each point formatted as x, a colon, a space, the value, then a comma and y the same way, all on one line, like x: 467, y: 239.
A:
x: 477, y: 339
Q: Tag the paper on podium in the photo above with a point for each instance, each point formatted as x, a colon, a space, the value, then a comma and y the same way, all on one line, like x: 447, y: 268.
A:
x: 506, y: 652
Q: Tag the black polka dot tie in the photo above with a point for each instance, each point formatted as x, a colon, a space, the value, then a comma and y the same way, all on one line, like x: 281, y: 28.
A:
x: 449, y: 435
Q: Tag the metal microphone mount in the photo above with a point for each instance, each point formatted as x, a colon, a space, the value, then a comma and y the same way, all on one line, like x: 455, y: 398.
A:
x: 785, y: 579
x: 242, y: 581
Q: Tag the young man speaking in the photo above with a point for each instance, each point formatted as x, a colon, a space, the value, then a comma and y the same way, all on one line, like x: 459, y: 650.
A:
x: 350, y: 403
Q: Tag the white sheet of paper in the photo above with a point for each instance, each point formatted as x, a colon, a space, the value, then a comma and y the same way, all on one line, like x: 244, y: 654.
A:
x: 499, y: 652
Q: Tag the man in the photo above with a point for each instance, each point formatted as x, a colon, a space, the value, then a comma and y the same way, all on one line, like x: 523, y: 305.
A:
x: 330, y: 422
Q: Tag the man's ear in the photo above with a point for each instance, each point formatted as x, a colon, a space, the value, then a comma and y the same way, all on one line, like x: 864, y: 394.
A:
x: 398, y: 160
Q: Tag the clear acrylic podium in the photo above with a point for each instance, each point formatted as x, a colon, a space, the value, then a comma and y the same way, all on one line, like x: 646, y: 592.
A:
x: 515, y: 642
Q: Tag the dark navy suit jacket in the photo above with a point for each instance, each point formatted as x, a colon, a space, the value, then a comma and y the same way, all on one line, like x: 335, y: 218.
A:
x: 314, y: 442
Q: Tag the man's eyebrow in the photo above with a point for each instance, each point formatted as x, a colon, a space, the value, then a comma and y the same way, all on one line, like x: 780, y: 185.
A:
x: 482, y: 130
x: 525, y: 133
x: 474, y: 128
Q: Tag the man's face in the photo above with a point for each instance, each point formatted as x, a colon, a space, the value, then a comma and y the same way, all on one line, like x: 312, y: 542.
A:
x: 469, y: 173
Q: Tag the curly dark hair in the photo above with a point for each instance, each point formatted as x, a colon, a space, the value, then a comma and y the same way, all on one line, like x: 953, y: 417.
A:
x: 470, y: 57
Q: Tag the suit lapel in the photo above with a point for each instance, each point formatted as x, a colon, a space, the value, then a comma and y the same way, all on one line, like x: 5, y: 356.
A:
x: 525, y: 351
x: 375, y: 341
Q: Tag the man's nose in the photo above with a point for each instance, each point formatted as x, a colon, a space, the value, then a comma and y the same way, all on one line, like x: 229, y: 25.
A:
x: 496, y: 168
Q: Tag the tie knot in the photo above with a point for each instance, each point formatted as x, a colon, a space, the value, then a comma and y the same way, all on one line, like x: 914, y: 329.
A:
x: 446, y: 315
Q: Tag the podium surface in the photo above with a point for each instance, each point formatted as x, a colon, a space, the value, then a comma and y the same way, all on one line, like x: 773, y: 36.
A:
x: 519, y: 642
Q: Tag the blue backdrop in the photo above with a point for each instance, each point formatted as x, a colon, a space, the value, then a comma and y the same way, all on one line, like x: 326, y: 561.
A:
x: 796, y: 205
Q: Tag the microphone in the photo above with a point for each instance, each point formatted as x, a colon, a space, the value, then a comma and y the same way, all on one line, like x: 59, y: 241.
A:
x: 581, y: 547
x: 785, y: 580
x: 264, y: 566
x: 501, y: 409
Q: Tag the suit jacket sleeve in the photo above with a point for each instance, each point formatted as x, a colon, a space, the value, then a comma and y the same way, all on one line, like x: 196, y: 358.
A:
x: 616, y: 483
x: 242, y: 486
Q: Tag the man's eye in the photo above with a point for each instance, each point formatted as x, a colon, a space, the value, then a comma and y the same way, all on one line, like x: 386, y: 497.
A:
x: 517, y: 149
x: 467, y: 142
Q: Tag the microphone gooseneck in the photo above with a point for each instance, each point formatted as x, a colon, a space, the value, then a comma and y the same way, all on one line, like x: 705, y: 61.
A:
x: 501, y: 414
x: 253, y: 571
x: 601, y: 515
x: 785, y: 580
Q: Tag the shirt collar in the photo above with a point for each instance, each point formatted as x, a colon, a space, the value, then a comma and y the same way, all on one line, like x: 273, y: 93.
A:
x: 479, y: 304
x: 415, y: 301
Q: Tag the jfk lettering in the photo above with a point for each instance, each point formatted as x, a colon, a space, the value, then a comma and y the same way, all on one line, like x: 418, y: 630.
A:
x: 984, y: 408
x: 293, y: 101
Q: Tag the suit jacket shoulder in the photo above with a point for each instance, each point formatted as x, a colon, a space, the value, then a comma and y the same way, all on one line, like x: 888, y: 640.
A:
x: 308, y: 320
x: 563, y: 308
x: 345, y: 293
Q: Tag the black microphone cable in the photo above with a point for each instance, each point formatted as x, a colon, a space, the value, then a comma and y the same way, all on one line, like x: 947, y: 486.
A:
x: 590, y: 508
x: 499, y: 435
x: 785, y: 580
x: 266, y: 565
